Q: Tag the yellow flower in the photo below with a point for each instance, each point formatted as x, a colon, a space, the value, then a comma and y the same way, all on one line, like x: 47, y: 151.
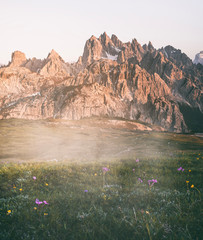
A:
x: 95, y: 174
x: 46, y: 184
x: 21, y: 189
x: 147, y: 212
x: 9, y: 211
x: 197, y: 158
x: 187, y: 181
x: 189, y: 170
x: 192, y: 186
x: 45, y: 214
x: 104, y: 197
x: 35, y: 208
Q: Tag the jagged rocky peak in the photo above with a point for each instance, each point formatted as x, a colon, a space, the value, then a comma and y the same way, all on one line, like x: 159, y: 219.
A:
x: 150, y: 46
x: 54, y: 64
x: 98, y: 48
x: 116, y: 41
x: 92, y: 51
x: 105, y: 40
x: 111, y: 48
x: 176, y: 56
x: 54, y: 55
x: 18, y: 59
x: 198, y: 58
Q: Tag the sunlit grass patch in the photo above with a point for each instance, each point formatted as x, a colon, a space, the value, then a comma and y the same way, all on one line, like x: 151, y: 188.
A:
x: 129, y: 199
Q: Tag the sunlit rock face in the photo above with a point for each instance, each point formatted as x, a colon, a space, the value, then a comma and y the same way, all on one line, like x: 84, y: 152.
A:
x: 112, y: 79
x: 18, y: 59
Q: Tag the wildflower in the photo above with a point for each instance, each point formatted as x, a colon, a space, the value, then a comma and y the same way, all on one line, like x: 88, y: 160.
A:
x: 34, y: 178
x: 140, y: 180
x: 147, y: 212
x: 187, y: 181
x: 95, y: 174
x: 137, y: 160
x: 8, y: 212
x: 104, y: 197
x: 45, y: 214
x: 46, y: 184
x: 21, y: 189
x: 183, y: 169
x: 192, y: 186
x: 14, y: 187
x: 45, y: 202
x: 133, y: 170
x: 38, y: 202
x: 197, y: 158
x: 85, y: 190
x: 35, y: 208
x: 179, y: 169
x: 152, y: 182
x: 189, y: 170
x: 105, y: 169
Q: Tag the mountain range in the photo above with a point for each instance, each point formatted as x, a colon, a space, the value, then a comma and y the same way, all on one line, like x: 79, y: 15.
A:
x: 161, y: 87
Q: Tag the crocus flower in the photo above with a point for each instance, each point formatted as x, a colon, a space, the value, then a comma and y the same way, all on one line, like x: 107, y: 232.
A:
x: 45, y: 202
x: 85, y: 190
x: 105, y: 169
x: 137, y: 160
x: 38, y: 202
x: 139, y: 179
x: 152, y: 182
x: 179, y: 169
x: 34, y: 178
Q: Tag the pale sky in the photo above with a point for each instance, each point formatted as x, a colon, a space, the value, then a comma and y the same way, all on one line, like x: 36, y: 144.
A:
x: 37, y: 26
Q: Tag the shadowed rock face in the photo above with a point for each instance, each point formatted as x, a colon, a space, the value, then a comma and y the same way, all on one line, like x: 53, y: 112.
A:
x: 112, y: 79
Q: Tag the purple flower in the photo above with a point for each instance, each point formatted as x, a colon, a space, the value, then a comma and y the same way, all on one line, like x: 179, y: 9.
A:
x: 137, y: 160
x: 45, y: 202
x: 179, y: 169
x: 38, y: 202
x: 85, y: 190
x: 152, y: 182
x: 34, y: 178
x: 105, y: 169
x: 139, y: 179
x: 183, y: 169
x: 133, y: 169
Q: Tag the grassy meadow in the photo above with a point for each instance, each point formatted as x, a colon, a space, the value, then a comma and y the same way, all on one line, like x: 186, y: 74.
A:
x: 134, y: 195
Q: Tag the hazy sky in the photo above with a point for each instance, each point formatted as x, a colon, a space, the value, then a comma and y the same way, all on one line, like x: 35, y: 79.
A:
x: 37, y: 26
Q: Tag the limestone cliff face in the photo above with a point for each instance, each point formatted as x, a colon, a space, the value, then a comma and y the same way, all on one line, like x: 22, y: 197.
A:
x: 111, y: 79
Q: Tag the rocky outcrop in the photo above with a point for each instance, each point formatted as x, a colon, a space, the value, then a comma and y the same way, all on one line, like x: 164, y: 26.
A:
x: 18, y: 59
x: 111, y: 79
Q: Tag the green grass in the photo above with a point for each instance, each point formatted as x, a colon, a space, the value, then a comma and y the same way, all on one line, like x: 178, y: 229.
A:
x: 116, y: 206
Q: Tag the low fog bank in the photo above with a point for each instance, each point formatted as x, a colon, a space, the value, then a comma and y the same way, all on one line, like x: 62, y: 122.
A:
x: 83, y: 141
